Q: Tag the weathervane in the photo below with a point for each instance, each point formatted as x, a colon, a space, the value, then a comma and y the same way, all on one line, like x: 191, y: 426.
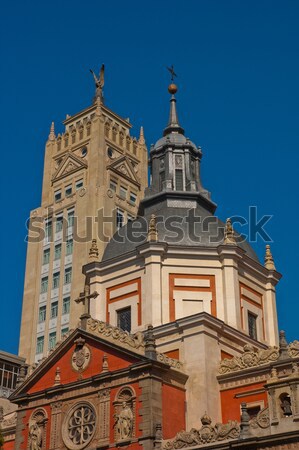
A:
x: 171, y: 70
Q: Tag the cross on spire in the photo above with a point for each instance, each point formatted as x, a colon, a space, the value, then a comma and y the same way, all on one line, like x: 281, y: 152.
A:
x: 84, y: 298
x: 172, y: 72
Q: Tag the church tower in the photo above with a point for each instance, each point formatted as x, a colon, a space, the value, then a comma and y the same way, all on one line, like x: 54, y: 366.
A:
x: 95, y: 174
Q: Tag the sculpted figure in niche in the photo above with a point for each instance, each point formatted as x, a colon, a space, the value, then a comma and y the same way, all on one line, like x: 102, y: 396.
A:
x: 286, y: 406
x: 124, y: 424
x: 35, y: 436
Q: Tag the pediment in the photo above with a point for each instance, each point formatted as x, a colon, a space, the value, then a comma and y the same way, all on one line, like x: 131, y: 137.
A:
x: 124, y: 168
x: 82, y: 355
x: 70, y: 164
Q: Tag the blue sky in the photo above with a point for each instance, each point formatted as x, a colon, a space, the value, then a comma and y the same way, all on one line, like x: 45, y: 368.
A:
x: 238, y: 67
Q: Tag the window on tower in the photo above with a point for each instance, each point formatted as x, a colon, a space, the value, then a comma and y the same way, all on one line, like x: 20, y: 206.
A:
x: 179, y: 186
x: 79, y: 184
x: 68, y: 275
x: 69, y: 247
x: 57, y: 195
x: 48, y: 229
x: 46, y: 256
x: 113, y: 185
x: 52, y: 340
x: 44, y: 285
x: 119, y: 218
x: 54, y: 310
x: 66, y: 305
x: 68, y: 190
x: 59, y: 223
x: 133, y: 198
x: 124, y: 319
x: 57, y: 251
x: 71, y: 218
x: 252, y: 325
x: 123, y: 193
x: 56, y: 279
x: 40, y: 344
x: 42, y: 314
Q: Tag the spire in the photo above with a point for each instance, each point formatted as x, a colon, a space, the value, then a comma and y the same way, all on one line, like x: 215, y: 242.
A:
x: 269, y: 261
x: 52, y: 132
x: 173, y: 121
x: 141, y: 139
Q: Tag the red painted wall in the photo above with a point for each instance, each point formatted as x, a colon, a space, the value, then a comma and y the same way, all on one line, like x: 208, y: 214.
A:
x: 173, y: 407
x: 9, y: 445
x: 231, y: 405
x: 68, y: 374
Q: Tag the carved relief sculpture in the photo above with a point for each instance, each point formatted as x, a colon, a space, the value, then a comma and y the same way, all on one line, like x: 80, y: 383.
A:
x: 250, y: 358
x: 124, y: 422
x: 35, y: 436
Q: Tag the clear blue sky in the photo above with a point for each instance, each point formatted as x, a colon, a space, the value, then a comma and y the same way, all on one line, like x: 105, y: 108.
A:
x: 238, y: 66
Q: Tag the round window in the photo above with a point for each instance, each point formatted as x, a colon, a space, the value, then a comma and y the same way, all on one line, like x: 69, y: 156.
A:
x: 79, y: 426
x: 83, y: 152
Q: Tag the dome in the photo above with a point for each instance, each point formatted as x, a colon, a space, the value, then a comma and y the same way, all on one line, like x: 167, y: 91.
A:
x: 175, y: 228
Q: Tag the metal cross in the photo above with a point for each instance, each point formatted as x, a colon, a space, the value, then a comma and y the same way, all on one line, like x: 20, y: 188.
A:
x: 171, y: 70
x: 85, y: 299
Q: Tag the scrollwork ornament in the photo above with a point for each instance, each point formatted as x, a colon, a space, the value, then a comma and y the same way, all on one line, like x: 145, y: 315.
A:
x: 249, y: 358
x: 293, y: 349
x: 262, y: 420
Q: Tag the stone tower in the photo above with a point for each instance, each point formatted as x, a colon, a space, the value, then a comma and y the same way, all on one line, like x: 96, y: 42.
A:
x: 95, y: 169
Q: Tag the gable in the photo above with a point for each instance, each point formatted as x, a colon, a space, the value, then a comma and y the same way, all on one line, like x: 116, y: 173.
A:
x: 83, y: 357
x: 124, y: 168
x: 69, y: 165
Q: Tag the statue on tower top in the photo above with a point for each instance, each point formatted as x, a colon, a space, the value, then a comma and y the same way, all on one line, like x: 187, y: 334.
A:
x: 99, y: 82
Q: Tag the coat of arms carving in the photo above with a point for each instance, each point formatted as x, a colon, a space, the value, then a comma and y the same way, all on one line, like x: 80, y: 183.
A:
x: 81, y: 355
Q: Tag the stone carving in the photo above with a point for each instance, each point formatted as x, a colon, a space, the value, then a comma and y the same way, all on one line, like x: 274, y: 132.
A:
x: 250, y: 358
x: 81, y: 355
x: 35, y: 436
x: 10, y: 421
x: 293, y: 349
x: 79, y: 426
x: 229, y: 234
x: 175, y: 363
x: 207, y: 434
x: 262, y: 420
x: 135, y: 341
x: 152, y: 235
x: 124, y: 422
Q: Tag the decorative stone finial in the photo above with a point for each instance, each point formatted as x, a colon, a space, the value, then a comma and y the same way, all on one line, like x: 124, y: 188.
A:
x: 52, y: 132
x: 105, y: 366
x: 269, y: 261
x: 245, y: 418
x: 158, y: 436
x: 57, y: 380
x: 21, y: 376
x: 274, y: 374
x: 94, y: 251
x: 283, y: 346
x: 150, y: 343
x: 152, y: 235
x: 229, y: 234
x: 205, y: 419
x: 141, y: 139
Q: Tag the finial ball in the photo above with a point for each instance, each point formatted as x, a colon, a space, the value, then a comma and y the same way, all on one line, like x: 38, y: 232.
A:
x: 172, y: 88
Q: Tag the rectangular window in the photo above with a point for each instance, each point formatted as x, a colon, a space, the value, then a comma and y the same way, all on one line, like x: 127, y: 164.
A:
x: 42, y: 314
x: 57, y: 251
x: 56, y: 279
x: 46, y: 256
x: 123, y: 193
x: 66, y: 303
x: 40, y: 344
x: 52, y: 340
x: 69, y: 247
x: 79, y: 184
x: 57, y: 195
x: 113, y: 185
x: 68, y: 190
x: 59, y: 223
x: 68, y: 275
x: 54, y: 310
x: 119, y: 218
x: 179, y: 180
x: 252, y: 325
x: 71, y: 218
x: 44, y: 285
x: 64, y: 331
x: 124, y: 319
x: 48, y: 229
x: 133, y: 198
